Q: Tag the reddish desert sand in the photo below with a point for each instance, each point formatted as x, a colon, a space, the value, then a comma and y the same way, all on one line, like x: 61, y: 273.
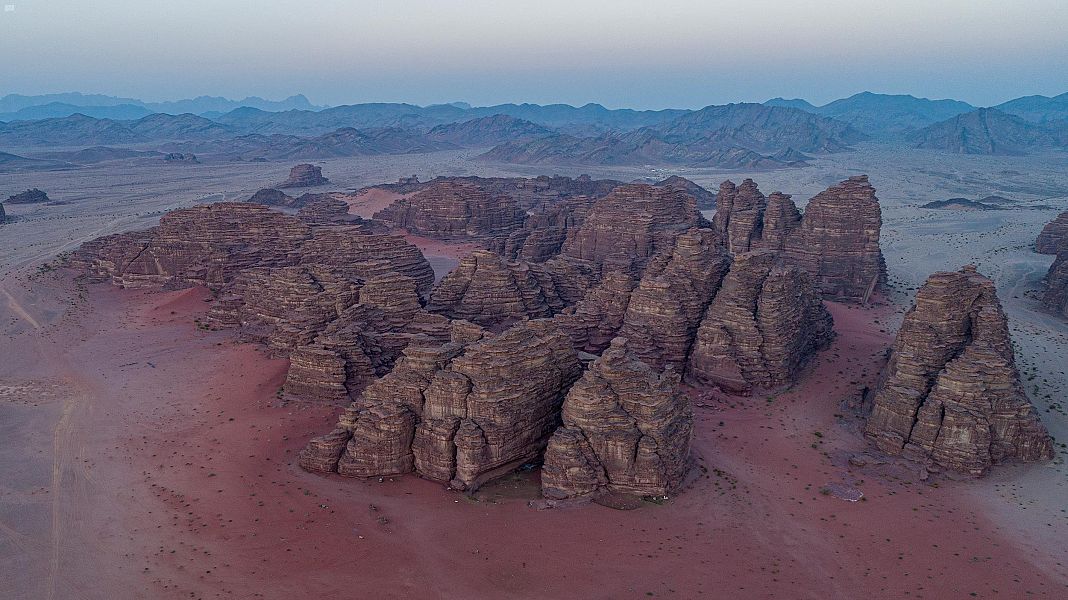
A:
x: 160, y: 463
x: 366, y: 203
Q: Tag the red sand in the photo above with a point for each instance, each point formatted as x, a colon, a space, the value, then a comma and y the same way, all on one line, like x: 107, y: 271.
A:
x: 183, y: 484
x: 366, y: 203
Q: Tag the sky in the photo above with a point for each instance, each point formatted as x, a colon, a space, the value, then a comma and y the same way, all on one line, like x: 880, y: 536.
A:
x: 620, y: 53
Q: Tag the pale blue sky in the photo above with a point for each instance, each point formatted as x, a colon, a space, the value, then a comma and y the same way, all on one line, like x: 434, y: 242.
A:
x: 642, y: 54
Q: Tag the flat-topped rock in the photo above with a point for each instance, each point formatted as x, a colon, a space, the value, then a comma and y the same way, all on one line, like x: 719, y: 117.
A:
x: 304, y: 175
x: 454, y: 210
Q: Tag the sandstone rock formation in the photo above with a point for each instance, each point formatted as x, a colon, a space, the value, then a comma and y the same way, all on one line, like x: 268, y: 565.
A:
x: 838, y: 241
x: 271, y: 197
x: 463, y: 412
x: 304, y: 175
x: 489, y: 290
x: 452, y: 210
x: 1055, y: 298
x: 665, y: 309
x: 706, y: 200
x: 596, y: 319
x: 739, y: 217
x: 765, y: 324
x: 635, y: 221
x: 626, y: 429
x: 32, y: 196
x: 951, y: 396
x: 1054, y: 236
x: 181, y: 157
x: 3, y: 215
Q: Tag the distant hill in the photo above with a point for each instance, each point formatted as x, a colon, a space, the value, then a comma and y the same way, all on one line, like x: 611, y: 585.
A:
x: 989, y: 131
x: 13, y: 162
x: 342, y: 142
x: 61, y: 109
x: 96, y: 154
x: 733, y: 136
x: 882, y: 115
x: 1039, y: 109
x: 487, y: 131
x: 82, y: 130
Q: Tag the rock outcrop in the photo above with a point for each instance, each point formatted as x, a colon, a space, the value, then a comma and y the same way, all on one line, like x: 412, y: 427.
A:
x: 489, y: 290
x: 635, y: 221
x: 739, y: 217
x: 181, y: 157
x: 626, y: 430
x: 462, y: 413
x: 838, y: 241
x: 596, y: 319
x: 665, y: 309
x: 1054, y: 236
x: 304, y: 175
x: 32, y: 196
x: 455, y: 210
x: 765, y: 324
x: 706, y: 200
x: 271, y: 197
x: 951, y: 396
x: 1055, y: 297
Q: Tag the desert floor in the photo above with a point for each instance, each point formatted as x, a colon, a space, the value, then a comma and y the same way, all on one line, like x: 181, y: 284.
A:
x: 143, y: 457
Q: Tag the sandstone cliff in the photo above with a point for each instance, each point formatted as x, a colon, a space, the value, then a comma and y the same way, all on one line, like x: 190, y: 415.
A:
x: 304, y: 175
x: 762, y: 328
x: 451, y: 210
x: 1054, y: 236
x: 626, y: 429
x: 951, y: 397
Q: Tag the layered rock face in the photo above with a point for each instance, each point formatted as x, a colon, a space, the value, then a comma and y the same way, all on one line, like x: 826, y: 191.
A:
x: 349, y: 250
x: 626, y: 429
x: 271, y: 197
x: 706, y: 200
x: 739, y: 217
x: 1055, y: 298
x: 951, y: 396
x: 544, y: 232
x: 634, y: 221
x: 489, y: 290
x: 838, y: 241
x: 665, y: 309
x: 451, y: 210
x: 1054, y: 236
x: 596, y: 319
x: 765, y: 324
x: 304, y: 175
x: 202, y: 245
x: 462, y: 413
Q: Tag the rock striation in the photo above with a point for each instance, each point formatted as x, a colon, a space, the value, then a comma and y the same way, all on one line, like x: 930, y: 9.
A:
x: 739, y: 217
x: 626, y: 430
x: 665, y: 308
x: 463, y: 413
x: 951, y: 396
x: 487, y: 289
x: 304, y: 175
x: 635, y: 221
x: 765, y: 324
x: 838, y: 241
x: 454, y: 210
x: 271, y: 197
x: 1054, y: 236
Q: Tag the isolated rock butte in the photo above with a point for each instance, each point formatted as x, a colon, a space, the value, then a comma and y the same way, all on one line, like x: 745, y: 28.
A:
x: 304, y: 175
x: 453, y: 210
x: 32, y: 196
x: 838, y: 241
x: 1054, y: 236
x: 462, y: 413
x: 626, y: 429
x: 951, y: 396
x: 637, y: 221
x: 765, y: 324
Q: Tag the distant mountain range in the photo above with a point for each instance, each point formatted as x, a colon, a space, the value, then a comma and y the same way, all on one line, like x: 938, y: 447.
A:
x: 774, y: 134
x: 991, y: 131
